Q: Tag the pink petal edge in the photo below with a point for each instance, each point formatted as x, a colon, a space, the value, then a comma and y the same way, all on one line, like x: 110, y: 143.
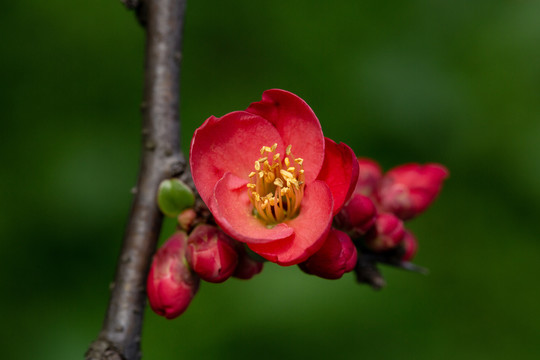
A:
x: 297, y: 124
x: 339, y: 172
x: 231, y: 143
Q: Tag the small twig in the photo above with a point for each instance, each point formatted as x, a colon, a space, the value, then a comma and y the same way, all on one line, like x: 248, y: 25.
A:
x: 405, y: 265
x: 120, y: 335
x: 368, y: 273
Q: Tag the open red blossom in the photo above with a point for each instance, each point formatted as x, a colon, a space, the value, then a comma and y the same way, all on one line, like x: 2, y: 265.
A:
x: 270, y: 177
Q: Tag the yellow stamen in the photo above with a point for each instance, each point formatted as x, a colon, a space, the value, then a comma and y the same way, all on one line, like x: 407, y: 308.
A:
x: 276, y: 188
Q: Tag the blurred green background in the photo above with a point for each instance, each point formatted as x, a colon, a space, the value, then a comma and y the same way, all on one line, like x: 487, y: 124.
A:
x: 455, y: 82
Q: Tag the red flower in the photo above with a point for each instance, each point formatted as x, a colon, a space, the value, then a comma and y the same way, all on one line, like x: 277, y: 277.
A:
x: 211, y: 254
x: 408, y: 190
x: 270, y: 178
x: 387, y: 233
x: 337, y: 256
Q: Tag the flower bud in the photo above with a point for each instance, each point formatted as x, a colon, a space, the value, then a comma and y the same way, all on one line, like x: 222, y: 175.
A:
x: 247, y: 267
x: 171, y: 285
x: 409, y: 245
x: 211, y: 253
x: 368, y: 177
x: 409, y: 189
x: 358, y: 214
x: 337, y: 256
x: 186, y: 219
x: 386, y: 234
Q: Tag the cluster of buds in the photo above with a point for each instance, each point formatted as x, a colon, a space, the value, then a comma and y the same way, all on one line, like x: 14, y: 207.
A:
x: 374, y: 216
x: 272, y: 187
x: 195, y: 252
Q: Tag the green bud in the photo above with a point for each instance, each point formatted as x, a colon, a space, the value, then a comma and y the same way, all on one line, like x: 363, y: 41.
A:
x: 174, y: 196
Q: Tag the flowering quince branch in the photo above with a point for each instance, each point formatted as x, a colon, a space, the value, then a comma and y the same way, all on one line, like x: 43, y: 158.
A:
x: 264, y: 185
x: 279, y: 191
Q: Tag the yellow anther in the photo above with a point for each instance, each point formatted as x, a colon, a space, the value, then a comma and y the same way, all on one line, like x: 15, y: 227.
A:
x: 282, y: 182
x: 287, y: 175
x: 288, y: 150
x: 269, y: 177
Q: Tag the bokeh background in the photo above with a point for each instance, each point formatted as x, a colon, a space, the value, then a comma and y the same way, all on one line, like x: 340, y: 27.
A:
x: 455, y: 82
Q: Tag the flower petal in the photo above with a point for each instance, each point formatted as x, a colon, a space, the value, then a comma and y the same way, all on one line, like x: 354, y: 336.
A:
x: 232, y: 210
x: 311, y: 227
x: 228, y: 144
x: 297, y: 125
x: 339, y: 172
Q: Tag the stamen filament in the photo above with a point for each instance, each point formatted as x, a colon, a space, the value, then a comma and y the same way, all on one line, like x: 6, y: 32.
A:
x: 276, y: 188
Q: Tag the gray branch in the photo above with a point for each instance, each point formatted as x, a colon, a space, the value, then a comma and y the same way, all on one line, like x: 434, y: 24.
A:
x: 161, y: 158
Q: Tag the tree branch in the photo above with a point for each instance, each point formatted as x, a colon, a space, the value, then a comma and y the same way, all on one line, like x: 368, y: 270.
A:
x: 161, y: 158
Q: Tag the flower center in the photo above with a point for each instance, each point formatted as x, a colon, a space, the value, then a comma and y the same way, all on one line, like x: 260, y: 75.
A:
x: 276, y: 186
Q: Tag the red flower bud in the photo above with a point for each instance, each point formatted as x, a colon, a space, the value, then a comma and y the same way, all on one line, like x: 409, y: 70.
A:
x: 247, y: 267
x: 337, y: 256
x: 386, y: 234
x: 369, y: 175
x: 409, y: 245
x: 409, y: 189
x: 171, y: 285
x: 211, y: 253
x: 358, y: 214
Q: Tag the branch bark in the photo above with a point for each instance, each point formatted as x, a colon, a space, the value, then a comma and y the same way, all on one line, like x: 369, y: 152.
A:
x: 161, y: 158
